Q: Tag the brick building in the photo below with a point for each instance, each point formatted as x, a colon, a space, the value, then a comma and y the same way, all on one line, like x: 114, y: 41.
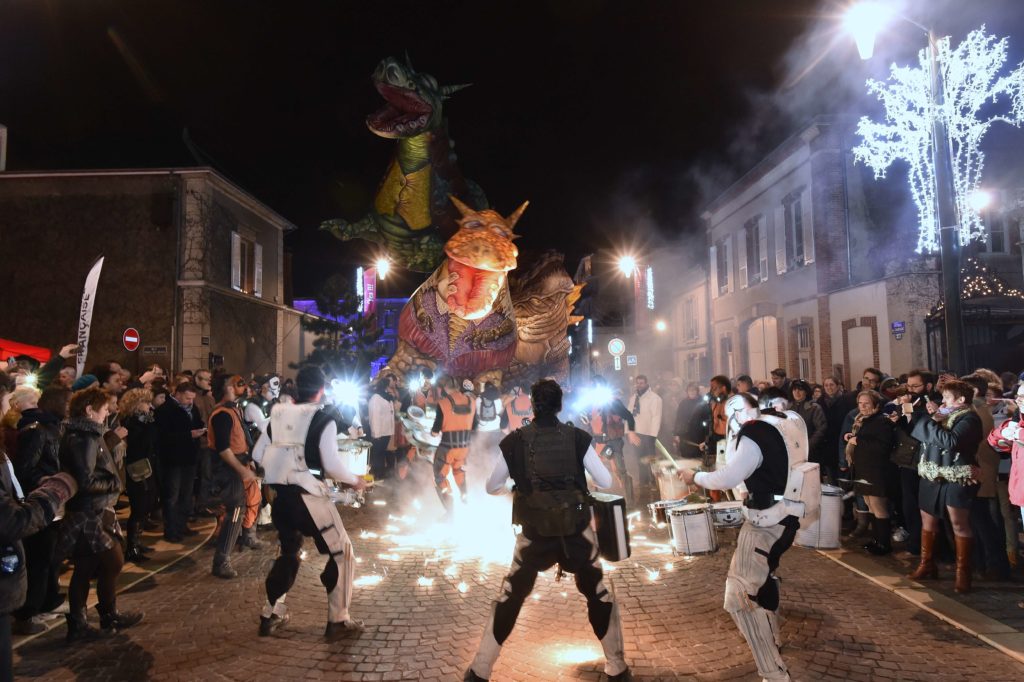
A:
x: 192, y: 261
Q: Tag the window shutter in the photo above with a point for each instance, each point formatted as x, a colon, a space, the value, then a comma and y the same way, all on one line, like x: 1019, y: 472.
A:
x: 741, y: 251
x: 762, y: 248
x: 808, y: 220
x: 257, y: 279
x: 780, y: 239
x: 236, y: 261
x: 713, y: 284
x: 730, y: 284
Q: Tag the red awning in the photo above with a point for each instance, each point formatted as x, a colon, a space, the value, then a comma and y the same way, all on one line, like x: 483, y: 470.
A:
x: 10, y: 348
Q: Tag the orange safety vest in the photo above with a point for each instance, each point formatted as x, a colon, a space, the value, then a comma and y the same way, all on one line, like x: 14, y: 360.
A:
x: 519, y: 410
x: 458, y: 412
x: 423, y: 400
x: 239, y: 444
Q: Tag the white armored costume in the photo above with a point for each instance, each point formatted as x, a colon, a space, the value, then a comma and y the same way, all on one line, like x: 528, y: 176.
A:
x: 298, y: 451
x: 769, y: 459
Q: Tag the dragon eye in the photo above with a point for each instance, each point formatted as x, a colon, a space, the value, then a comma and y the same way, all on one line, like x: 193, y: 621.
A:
x: 473, y: 224
x: 500, y: 231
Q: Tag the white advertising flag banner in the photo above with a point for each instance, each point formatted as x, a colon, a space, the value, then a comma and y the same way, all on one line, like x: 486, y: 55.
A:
x: 85, y: 313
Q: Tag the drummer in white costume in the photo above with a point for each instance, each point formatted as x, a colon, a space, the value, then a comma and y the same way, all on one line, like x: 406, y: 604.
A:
x: 760, y: 460
x: 299, y: 450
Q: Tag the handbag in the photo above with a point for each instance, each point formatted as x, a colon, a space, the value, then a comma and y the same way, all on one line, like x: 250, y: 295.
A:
x: 139, y: 470
x: 906, y: 452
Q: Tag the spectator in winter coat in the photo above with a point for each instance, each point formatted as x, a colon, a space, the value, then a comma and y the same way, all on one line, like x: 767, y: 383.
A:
x: 21, y: 515
x: 813, y: 416
x: 39, y: 433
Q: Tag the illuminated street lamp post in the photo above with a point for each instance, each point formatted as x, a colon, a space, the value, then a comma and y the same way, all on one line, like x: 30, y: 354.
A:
x: 865, y: 21
x: 935, y: 117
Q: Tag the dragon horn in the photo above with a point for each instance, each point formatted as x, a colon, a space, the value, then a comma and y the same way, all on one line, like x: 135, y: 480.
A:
x: 516, y: 215
x: 408, y: 62
x: 463, y: 209
x: 449, y: 90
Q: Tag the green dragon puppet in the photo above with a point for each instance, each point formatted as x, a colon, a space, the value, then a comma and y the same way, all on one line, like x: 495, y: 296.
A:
x: 411, y: 215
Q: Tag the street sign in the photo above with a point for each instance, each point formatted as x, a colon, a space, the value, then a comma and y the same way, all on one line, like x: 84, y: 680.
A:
x: 154, y: 350
x: 616, y: 347
x: 130, y: 339
x: 899, y: 328
x: 618, y: 363
x: 631, y: 360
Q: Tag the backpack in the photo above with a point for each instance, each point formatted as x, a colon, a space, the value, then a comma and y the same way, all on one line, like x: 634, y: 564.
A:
x: 555, y: 506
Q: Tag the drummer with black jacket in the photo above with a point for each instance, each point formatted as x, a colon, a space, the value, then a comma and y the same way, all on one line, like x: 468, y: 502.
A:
x: 558, y: 455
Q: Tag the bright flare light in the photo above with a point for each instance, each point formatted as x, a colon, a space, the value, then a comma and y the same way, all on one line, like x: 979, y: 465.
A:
x: 864, y: 21
x: 345, y: 392
x: 661, y: 325
x: 627, y: 265
x: 383, y: 267
x: 368, y: 580
x: 573, y: 655
x: 424, y: 581
x: 979, y: 199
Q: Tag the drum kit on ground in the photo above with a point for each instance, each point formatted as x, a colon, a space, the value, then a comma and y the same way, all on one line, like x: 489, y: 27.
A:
x: 693, y: 527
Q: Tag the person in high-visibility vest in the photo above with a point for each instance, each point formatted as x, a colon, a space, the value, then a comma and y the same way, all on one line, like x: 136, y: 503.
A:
x: 518, y: 408
x: 455, y: 422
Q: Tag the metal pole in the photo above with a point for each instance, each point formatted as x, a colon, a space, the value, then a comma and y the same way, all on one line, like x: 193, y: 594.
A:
x: 948, y: 219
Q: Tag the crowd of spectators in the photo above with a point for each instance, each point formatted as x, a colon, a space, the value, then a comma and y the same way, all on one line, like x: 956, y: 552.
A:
x: 89, y: 462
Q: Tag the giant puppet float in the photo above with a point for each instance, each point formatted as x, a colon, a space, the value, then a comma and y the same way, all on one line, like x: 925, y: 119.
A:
x: 473, y: 317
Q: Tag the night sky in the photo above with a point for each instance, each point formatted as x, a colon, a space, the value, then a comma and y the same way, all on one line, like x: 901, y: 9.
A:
x: 615, y: 119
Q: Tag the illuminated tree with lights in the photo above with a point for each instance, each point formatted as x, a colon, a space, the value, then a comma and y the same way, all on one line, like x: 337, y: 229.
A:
x: 975, y: 97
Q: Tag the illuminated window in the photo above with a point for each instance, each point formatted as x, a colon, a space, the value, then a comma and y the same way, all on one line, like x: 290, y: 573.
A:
x: 246, y: 265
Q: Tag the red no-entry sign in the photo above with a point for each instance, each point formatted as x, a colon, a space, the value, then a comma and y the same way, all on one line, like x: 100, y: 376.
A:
x: 130, y: 339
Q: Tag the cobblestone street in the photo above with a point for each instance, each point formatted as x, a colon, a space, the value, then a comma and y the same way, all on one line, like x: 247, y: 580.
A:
x: 424, y: 605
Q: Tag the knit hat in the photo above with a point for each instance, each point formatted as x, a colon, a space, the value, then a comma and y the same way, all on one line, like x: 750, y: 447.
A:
x: 84, y: 381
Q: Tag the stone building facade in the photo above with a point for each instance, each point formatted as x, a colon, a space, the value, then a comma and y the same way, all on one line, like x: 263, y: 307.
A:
x: 192, y: 261
x: 811, y: 267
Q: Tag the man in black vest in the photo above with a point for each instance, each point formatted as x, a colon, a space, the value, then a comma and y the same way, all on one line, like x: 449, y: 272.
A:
x: 298, y: 451
x: 547, y: 461
x: 761, y: 462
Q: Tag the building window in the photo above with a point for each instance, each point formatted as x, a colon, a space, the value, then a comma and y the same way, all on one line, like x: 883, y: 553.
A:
x: 794, y: 233
x: 246, y: 265
x: 803, y: 349
x: 691, y: 328
x: 389, y: 318
x: 995, y: 226
x: 753, y: 257
x: 727, y: 362
x: 723, y: 266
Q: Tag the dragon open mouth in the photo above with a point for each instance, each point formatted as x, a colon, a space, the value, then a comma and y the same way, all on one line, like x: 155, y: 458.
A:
x: 472, y: 292
x: 403, y: 114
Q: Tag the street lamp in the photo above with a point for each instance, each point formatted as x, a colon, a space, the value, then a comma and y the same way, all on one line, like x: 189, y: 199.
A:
x: 980, y: 200
x: 660, y: 325
x: 383, y: 267
x: 864, y: 21
x: 627, y: 265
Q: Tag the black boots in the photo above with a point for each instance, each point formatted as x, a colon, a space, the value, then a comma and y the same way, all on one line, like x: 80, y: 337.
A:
x: 249, y: 539
x: 112, y: 620
x: 882, y: 544
x: 135, y: 554
x: 79, y: 628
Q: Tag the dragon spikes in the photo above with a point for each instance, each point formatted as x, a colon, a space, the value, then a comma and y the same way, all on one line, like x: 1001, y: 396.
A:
x: 449, y: 90
x: 511, y: 220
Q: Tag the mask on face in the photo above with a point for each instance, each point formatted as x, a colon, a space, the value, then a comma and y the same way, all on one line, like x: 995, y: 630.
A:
x: 275, y: 387
x: 738, y: 412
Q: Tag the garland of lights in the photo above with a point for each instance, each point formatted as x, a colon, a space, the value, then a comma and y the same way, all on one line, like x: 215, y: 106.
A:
x: 971, y: 81
x: 978, y: 282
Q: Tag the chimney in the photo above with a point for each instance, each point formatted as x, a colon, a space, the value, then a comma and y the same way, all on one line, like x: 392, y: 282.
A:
x: 3, y: 147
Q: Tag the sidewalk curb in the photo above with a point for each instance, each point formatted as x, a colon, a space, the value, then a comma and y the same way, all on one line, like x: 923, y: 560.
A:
x: 990, y: 631
x: 59, y: 622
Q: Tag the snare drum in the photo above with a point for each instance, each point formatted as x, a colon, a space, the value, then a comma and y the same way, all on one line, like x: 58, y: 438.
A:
x: 693, y: 532
x: 659, y: 510
x: 821, y: 530
x: 727, y: 514
x: 609, y: 514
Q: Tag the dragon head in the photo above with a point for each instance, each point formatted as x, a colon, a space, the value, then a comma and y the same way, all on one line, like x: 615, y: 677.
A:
x: 479, y: 255
x: 412, y: 101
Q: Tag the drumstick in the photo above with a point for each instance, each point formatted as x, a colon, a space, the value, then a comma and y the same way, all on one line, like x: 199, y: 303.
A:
x: 664, y: 453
